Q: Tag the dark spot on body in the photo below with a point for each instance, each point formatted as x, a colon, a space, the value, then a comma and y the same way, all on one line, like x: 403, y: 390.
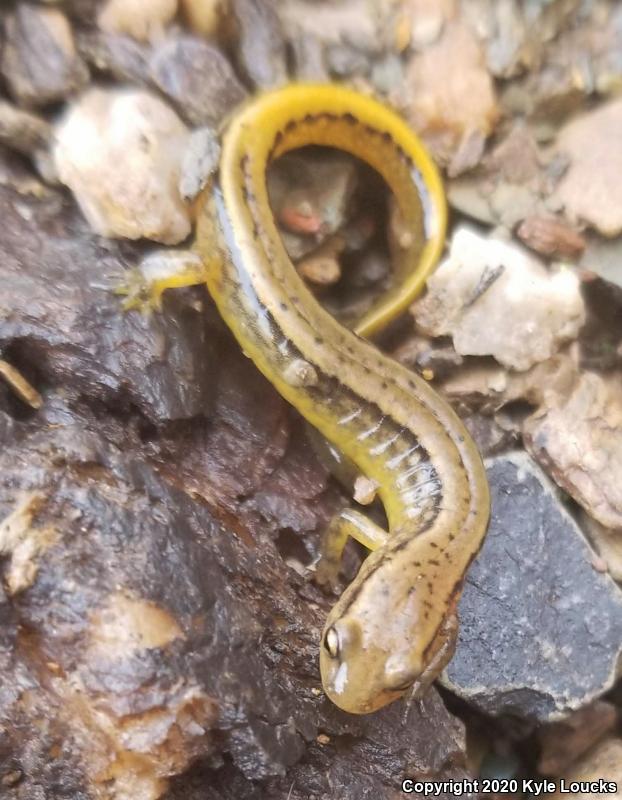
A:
x: 350, y: 118
x: 434, y: 562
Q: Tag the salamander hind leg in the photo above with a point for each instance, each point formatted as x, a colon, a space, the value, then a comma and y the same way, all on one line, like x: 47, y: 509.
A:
x: 348, y: 523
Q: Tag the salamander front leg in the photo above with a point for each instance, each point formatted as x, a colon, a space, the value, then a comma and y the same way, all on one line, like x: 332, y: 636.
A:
x: 348, y: 523
x: 445, y: 644
x: 167, y: 269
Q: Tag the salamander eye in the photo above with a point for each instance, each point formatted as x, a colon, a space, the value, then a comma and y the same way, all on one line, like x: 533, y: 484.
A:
x: 331, y: 642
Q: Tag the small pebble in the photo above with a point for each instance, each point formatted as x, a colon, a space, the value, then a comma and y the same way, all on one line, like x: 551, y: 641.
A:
x: 40, y: 62
x: 448, y: 93
x: 121, y: 57
x: 591, y: 187
x: 577, y: 436
x: 561, y: 743
x: 551, y: 236
x: 365, y: 490
x: 261, y: 45
x: 203, y: 16
x: 144, y: 20
x: 199, y: 163
x: 489, y: 285
x: 119, y: 152
x: 198, y: 78
x: 21, y: 130
x: 320, y: 270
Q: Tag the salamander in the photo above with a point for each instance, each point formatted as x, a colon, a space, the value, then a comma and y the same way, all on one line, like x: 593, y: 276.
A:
x: 394, y: 627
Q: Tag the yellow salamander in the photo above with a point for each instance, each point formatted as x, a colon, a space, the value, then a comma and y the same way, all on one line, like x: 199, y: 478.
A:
x: 394, y: 627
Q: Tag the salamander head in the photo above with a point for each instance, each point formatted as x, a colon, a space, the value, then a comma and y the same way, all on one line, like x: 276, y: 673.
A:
x: 360, y: 676
x: 385, y: 636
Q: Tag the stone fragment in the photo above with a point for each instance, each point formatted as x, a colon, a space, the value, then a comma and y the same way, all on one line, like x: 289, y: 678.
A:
x: 16, y: 174
x: 600, y: 342
x: 490, y: 285
x: 577, y: 54
x: 119, y: 152
x: 604, y: 257
x: 541, y: 629
x: 321, y: 267
x: 121, y: 57
x: 591, y: 188
x: 449, y: 94
x: 144, y: 20
x: 425, y: 20
x: 39, y: 60
x: 310, y: 196
x: 261, y: 50
x: 504, y: 51
x: 551, y: 236
x: 200, y: 161
x: 198, y: 78
x: 602, y: 763
x: 308, y: 57
x: 353, y: 22
x: 577, y: 437
x: 608, y: 544
x: 344, y: 60
x: 23, y: 542
x: 561, y: 743
x: 22, y: 131
x: 510, y: 184
x: 477, y: 385
x: 203, y: 16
